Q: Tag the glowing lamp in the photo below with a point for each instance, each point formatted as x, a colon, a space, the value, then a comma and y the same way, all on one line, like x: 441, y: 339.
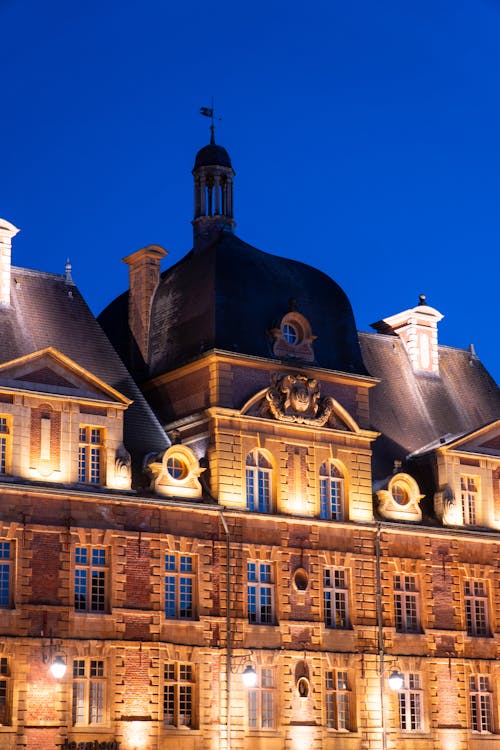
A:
x: 396, y: 680
x: 58, y: 668
x: 249, y: 677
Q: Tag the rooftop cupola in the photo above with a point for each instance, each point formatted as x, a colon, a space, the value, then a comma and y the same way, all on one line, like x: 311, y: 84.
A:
x: 417, y: 328
x: 213, y: 193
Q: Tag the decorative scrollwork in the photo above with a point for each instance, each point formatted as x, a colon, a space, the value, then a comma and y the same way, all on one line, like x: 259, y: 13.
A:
x: 296, y: 398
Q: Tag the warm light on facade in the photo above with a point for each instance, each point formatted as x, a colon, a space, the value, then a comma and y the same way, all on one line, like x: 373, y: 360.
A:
x: 58, y: 668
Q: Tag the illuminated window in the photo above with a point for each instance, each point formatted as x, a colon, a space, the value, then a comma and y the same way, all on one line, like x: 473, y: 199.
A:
x: 89, y: 691
x: 290, y: 333
x: 258, y: 482
x: 476, y: 607
x: 260, y: 592
x: 176, y: 467
x: 90, y: 463
x: 406, y: 604
x: 337, y: 701
x: 178, y: 694
x: 6, y: 573
x: 91, y: 577
x: 262, y: 700
x: 331, y: 492
x: 335, y: 598
x: 469, y: 493
x: 5, y: 691
x: 481, y: 703
x: 179, y: 586
x: 410, y: 699
x: 5, y: 445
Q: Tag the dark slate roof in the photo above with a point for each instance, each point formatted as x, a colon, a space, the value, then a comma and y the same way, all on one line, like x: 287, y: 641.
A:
x: 413, y: 410
x: 47, y: 311
x: 212, y: 156
x: 228, y: 296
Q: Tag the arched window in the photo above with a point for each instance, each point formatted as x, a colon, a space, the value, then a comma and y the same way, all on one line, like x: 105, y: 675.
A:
x: 258, y: 482
x: 331, y: 492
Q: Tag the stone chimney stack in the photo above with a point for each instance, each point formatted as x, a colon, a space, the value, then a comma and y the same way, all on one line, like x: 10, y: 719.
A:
x: 7, y: 232
x: 417, y: 329
x: 144, y: 276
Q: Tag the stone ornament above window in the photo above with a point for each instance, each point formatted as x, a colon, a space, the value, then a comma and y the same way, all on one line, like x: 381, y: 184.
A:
x: 296, y: 398
x: 400, y: 501
x: 123, y: 468
x: 175, y: 473
x: 447, y: 509
x: 293, y: 338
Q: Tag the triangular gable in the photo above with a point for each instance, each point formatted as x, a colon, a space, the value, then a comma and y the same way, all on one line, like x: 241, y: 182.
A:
x: 485, y: 440
x: 48, y: 371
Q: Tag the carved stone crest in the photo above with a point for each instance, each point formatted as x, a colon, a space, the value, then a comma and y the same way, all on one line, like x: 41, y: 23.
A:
x: 296, y: 398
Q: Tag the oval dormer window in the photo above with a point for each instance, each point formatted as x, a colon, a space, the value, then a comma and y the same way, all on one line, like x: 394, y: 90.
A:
x: 290, y: 334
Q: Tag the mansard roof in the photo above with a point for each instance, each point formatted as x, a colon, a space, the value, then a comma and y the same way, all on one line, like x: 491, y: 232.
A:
x: 229, y: 296
x: 416, y: 409
x: 47, y: 311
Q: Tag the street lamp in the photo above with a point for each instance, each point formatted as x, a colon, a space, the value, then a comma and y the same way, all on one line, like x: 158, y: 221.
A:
x: 396, y: 680
x: 249, y: 676
x: 58, y: 667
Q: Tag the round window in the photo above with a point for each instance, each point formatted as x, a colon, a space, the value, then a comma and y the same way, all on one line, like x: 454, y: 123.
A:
x: 290, y: 334
x: 300, y: 579
x: 176, y: 467
x: 400, y: 494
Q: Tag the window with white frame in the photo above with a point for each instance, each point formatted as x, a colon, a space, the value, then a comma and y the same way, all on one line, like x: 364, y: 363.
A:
x: 89, y: 691
x: 336, y: 597
x: 90, y: 455
x: 476, y: 607
x: 331, y: 491
x: 5, y: 691
x: 481, y: 703
x: 406, y: 604
x: 410, y: 699
x: 262, y: 700
x: 337, y: 700
x: 179, y: 694
x: 91, y: 579
x: 6, y: 573
x: 5, y: 445
x: 469, y: 493
x: 258, y: 481
x: 260, y: 592
x: 179, y: 586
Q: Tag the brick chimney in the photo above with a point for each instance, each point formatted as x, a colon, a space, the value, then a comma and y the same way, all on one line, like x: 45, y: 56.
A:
x: 7, y: 232
x: 144, y: 275
x: 417, y: 329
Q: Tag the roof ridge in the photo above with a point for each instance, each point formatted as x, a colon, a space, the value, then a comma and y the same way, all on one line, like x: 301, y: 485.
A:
x: 34, y: 272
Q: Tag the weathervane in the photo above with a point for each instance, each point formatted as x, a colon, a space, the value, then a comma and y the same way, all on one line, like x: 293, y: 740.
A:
x: 210, y: 112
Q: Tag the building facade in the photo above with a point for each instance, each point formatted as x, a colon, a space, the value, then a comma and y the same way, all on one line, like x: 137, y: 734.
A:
x: 221, y: 478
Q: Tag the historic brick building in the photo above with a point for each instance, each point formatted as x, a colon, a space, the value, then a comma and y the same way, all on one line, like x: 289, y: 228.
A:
x: 251, y: 488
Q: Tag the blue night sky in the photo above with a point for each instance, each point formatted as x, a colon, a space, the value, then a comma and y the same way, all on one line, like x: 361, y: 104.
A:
x: 364, y: 135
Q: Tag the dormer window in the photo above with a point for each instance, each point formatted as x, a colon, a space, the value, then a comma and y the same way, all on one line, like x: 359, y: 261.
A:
x: 5, y: 439
x: 90, y: 464
x: 290, y: 334
x: 293, y: 338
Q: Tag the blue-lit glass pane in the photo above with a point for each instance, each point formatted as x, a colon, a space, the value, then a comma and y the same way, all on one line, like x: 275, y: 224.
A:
x: 4, y: 585
x: 80, y: 589
x: 185, y: 597
x: 170, y: 596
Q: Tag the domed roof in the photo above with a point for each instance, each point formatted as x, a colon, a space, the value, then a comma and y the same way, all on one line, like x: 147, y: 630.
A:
x: 230, y: 296
x: 212, y: 156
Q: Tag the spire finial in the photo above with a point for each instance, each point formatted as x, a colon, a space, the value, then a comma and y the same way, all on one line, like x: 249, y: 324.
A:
x: 68, y: 279
x: 210, y: 112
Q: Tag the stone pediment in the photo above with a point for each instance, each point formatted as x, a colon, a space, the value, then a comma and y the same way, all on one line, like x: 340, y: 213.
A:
x: 485, y: 441
x: 296, y: 399
x: 48, y: 371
